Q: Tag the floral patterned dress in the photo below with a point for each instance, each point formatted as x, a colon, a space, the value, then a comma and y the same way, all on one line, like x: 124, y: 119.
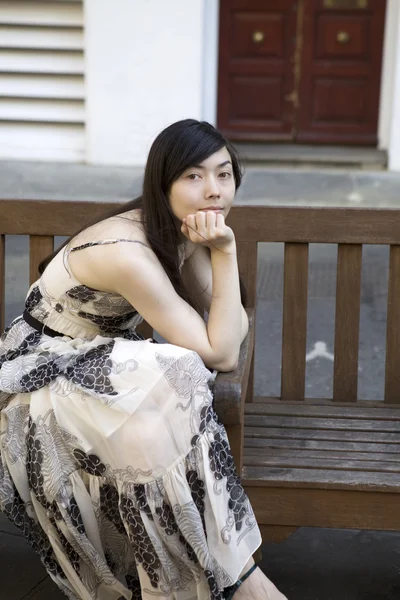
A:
x: 113, y: 462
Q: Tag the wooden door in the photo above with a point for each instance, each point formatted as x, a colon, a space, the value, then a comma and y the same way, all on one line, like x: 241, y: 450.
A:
x: 256, y: 75
x: 300, y: 70
x: 340, y: 71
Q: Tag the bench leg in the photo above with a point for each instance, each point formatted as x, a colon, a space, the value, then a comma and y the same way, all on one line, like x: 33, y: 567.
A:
x: 276, y: 533
x: 272, y: 533
x: 250, y: 384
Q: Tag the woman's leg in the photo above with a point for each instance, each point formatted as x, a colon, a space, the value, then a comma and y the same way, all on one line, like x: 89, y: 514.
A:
x: 257, y: 585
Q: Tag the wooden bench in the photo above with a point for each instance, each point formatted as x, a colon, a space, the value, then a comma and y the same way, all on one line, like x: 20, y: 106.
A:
x: 304, y: 462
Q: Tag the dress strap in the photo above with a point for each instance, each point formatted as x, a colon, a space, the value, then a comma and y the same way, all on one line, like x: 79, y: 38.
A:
x: 67, y: 250
x: 105, y: 242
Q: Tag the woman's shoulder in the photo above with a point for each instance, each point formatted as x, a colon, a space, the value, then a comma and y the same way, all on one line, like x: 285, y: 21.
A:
x: 125, y: 226
x: 105, y: 250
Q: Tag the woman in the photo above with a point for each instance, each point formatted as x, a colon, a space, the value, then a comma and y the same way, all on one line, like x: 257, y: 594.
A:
x: 113, y: 462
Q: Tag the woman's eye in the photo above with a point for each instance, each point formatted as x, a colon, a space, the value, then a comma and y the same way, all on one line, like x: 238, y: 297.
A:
x: 225, y: 175
x: 193, y: 176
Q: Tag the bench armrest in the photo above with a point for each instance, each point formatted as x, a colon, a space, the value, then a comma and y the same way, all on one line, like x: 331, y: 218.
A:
x: 231, y: 388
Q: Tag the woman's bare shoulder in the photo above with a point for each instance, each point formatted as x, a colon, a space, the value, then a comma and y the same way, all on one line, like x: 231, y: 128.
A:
x: 97, y: 266
x: 123, y: 226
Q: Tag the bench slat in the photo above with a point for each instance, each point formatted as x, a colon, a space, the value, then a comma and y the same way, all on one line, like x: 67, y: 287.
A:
x: 40, y: 247
x: 306, y: 455
x: 321, y: 478
x: 322, y: 423
x: 347, y: 322
x: 251, y: 223
x: 383, y: 413
x: 392, y: 379
x: 322, y: 434
x: 307, y: 506
x: 325, y: 445
x: 341, y: 464
x: 2, y: 281
x: 294, y: 336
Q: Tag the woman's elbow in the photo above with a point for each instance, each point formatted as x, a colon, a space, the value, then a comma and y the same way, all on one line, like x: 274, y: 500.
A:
x: 226, y: 364
x: 227, y: 367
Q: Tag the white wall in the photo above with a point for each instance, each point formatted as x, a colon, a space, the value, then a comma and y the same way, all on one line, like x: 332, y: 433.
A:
x: 389, y: 121
x: 394, y: 145
x: 389, y: 61
x: 144, y: 70
x: 210, y: 60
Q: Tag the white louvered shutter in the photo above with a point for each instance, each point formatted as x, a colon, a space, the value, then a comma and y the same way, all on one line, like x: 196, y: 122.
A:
x: 42, y: 104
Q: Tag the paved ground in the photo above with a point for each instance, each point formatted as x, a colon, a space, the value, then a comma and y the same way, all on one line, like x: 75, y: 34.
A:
x: 260, y: 186
x: 313, y: 564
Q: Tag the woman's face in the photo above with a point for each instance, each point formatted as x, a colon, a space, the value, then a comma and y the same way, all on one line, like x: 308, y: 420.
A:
x: 209, y: 185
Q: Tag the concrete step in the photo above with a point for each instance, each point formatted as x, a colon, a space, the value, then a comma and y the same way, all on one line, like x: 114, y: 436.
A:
x: 299, y: 155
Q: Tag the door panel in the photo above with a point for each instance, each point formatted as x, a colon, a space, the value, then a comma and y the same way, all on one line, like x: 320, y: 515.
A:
x: 358, y: 28
x: 341, y: 71
x: 257, y: 43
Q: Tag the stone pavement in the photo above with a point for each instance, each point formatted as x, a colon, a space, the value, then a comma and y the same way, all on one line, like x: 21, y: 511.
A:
x: 313, y: 564
x: 274, y: 185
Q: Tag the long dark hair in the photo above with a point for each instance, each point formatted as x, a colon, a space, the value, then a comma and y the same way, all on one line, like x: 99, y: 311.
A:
x: 177, y: 148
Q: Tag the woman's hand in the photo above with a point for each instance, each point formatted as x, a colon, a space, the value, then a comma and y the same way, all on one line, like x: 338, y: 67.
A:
x: 207, y: 228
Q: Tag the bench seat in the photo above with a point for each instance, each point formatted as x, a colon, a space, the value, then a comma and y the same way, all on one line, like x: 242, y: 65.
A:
x: 318, y: 458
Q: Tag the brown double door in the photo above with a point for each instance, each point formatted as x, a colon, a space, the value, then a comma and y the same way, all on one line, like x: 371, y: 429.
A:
x: 300, y: 70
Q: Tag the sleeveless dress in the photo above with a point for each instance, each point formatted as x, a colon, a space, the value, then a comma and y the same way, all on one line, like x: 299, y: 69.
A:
x: 114, y: 464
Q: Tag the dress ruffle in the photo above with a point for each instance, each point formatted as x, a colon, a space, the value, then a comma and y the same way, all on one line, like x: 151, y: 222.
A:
x: 103, y: 533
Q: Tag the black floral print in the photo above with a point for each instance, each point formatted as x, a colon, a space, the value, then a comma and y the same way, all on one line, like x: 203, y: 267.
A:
x: 207, y: 415
x: 197, y: 488
x: 34, y: 464
x: 75, y: 514
x: 221, y: 460
x: 46, y: 371
x: 92, y: 368
x: 223, y: 466
x: 107, y: 323
x: 109, y: 504
x: 166, y: 519
x: 141, y: 498
x: 82, y: 293
x: 33, y: 299
x: 133, y: 584
x: 73, y: 556
x: 143, y: 549
x: 238, y: 502
x: 27, y: 345
x: 90, y: 463
x: 216, y: 594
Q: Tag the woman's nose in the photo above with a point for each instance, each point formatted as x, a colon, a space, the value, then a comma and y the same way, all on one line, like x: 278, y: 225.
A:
x: 212, y: 188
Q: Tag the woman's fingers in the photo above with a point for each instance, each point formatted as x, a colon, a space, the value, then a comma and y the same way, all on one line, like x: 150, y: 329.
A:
x: 191, y: 227
x: 206, y: 227
x: 201, y: 223
x: 211, y: 219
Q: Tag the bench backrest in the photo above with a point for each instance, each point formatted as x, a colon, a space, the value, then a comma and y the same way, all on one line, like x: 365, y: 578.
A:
x: 296, y: 228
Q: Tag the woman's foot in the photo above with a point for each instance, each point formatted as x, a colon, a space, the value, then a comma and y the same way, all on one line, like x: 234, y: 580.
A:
x: 257, y: 585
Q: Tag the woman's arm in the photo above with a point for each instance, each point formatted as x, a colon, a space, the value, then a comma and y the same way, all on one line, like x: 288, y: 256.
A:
x: 197, y: 276
x: 141, y: 279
